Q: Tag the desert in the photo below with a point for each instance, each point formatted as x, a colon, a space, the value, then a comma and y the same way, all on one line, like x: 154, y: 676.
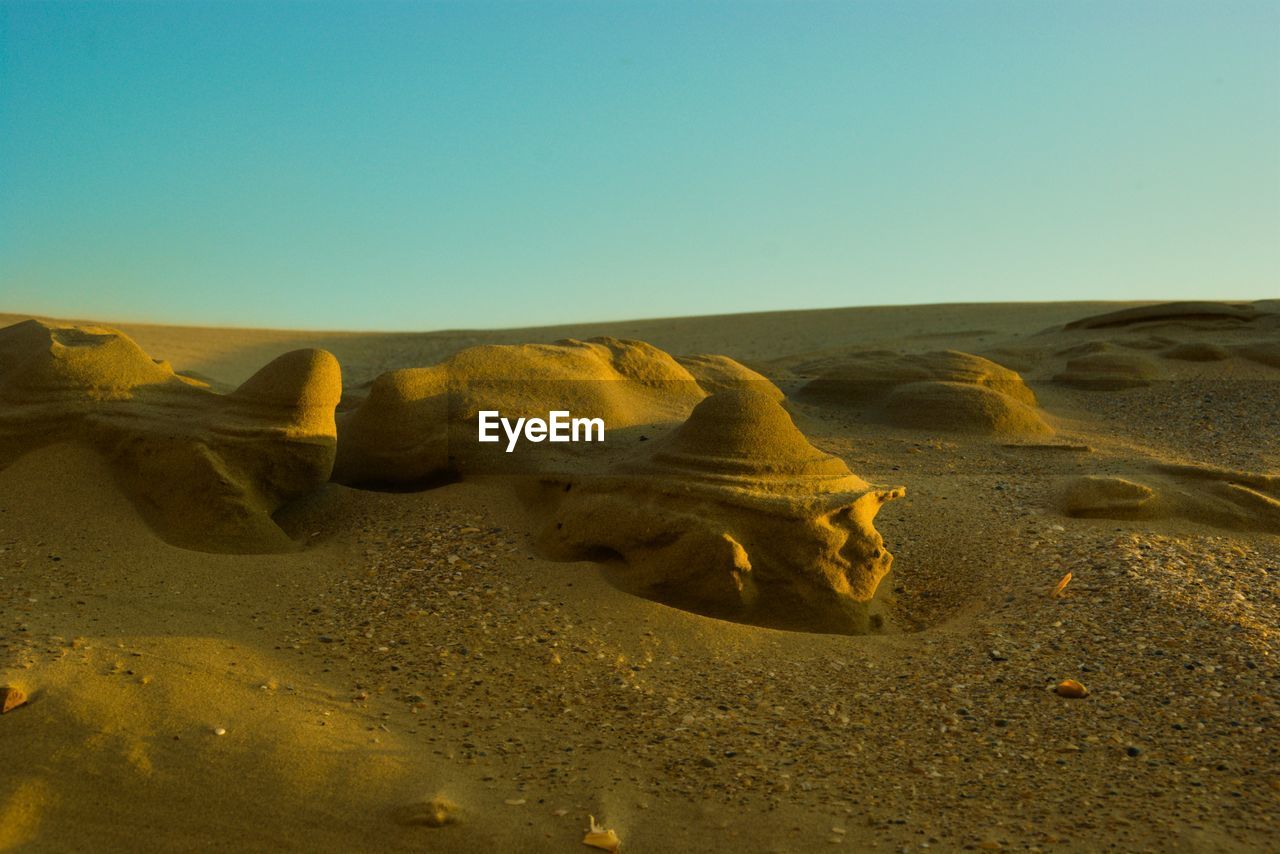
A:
x: 219, y: 643
x: 686, y: 427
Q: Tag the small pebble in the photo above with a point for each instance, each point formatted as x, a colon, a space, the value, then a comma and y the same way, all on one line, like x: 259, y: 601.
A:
x: 1071, y: 688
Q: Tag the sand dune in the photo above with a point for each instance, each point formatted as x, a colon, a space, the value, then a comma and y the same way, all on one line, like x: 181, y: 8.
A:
x: 224, y: 646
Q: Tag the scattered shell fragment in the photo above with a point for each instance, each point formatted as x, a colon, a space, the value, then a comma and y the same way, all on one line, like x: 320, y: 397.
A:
x: 11, y: 697
x: 1062, y: 585
x: 599, y: 837
x: 219, y: 730
x: 514, y: 802
x: 1071, y: 688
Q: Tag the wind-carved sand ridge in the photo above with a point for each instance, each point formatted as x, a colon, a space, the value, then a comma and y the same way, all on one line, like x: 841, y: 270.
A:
x: 207, y: 470
x: 1240, y: 501
x: 1202, y: 315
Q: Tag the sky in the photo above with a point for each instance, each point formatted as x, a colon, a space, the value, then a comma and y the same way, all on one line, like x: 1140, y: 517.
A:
x: 388, y: 166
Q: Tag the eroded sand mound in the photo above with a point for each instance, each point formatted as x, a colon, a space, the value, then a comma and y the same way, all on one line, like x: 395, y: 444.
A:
x: 400, y: 433
x: 624, y: 382
x: 1109, y: 369
x: 718, y: 373
x: 962, y: 408
x: 943, y: 390
x: 1234, y: 500
x: 206, y: 470
x: 421, y: 423
x: 1201, y: 314
x: 1108, y: 497
x: 735, y: 515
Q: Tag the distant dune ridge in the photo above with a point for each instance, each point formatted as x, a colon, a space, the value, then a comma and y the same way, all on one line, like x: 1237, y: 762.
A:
x: 1108, y: 361
x: 1201, y: 314
x: 207, y: 470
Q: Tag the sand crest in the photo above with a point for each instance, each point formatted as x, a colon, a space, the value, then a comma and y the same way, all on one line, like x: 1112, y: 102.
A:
x: 207, y: 470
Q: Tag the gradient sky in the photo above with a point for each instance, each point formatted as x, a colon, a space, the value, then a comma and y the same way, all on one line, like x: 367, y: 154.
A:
x: 465, y: 164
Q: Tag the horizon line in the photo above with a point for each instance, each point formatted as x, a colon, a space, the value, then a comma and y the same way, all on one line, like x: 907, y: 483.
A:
x: 649, y: 319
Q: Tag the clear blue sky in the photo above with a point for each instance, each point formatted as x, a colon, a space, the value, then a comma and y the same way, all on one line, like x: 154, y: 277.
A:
x: 429, y: 165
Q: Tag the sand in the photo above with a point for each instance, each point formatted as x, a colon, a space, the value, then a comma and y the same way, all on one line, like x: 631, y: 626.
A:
x: 416, y: 645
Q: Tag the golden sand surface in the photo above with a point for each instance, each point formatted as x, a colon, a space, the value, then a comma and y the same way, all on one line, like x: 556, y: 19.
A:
x: 413, y: 658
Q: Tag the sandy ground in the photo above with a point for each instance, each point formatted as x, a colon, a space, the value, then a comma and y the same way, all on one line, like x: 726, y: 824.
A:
x: 418, y: 648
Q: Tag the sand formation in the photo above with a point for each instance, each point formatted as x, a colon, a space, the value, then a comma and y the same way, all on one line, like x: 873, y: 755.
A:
x: 718, y: 373
x: 941, y: 390
x: 1106, y: 367
x: 399, y: 434
x: 733, y: 515
x: 420, y: 423
x: 1199, y: 314
x: 1248, y: 330
x: 1239, y: 501
x: 206, y: 470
